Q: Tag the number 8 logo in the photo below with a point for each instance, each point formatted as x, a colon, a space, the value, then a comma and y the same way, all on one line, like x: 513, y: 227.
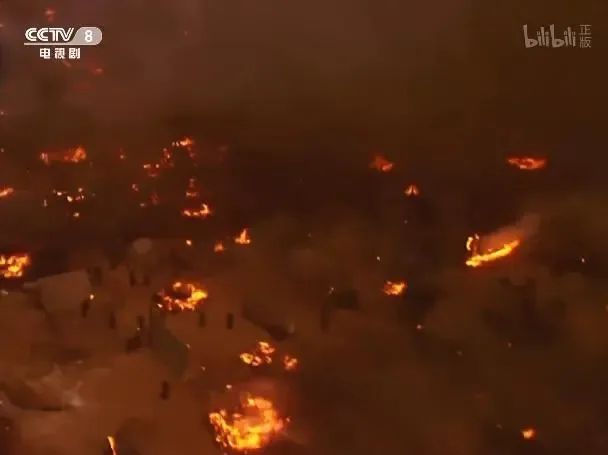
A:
x: 88, y: 36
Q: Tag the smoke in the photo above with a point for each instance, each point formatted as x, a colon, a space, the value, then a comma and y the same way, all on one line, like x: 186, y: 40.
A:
x: 522, y: 230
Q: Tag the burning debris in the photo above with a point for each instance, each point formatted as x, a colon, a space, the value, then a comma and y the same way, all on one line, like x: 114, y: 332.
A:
x: 218, y: 247
x: 253, y: 426
x: 243, y: 238
x: 479, y: 258
x: 394, y: 288
x: 381, y: 164
x: 201, y: 212
x: 73, y: 155
x: 181, y: 297
x: 14, y: 266
x: 6, y: 192
x: 263, y: 354
x: 412, y: 190
x: 527, y: 163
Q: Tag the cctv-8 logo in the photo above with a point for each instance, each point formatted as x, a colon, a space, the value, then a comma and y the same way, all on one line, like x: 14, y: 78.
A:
x: 87, y: 36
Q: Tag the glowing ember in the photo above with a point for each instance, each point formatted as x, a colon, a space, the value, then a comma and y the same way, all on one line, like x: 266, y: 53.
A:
x: 412, y: 190
x: 188, y: 242
x: 71, y: 197
x: 112, y: 444
x: 251, y: 427
x: 527, y: 163
x: 202, y: 212
x: 182, y: 296
x: 218, y: 247
x: 14, y: 266
x: 394, y: 287
x: 152, y: 170
x: 261, y: 355
x: 243, y: 238
x: 381, y: 164
x: 479, y: 258
x: 74, y: 155
x: 192, y: 191
x: 290, y: 363
x: 184, y: 142
x: 49, y: 13
x: 528, y: 433
x: 5, y: 192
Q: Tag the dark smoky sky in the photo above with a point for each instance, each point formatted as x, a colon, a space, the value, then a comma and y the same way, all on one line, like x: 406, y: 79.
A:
x: 439, y: 75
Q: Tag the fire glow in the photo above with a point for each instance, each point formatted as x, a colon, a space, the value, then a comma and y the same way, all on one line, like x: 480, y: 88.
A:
x: 182, y: 297
x: 73, y: 155
x: 527, y: 163
x: 261, y: 355
x: 243, y: 238
x: 381, y: 164
x: 112, y: 444
x: 478, y: 258
x: 394, y: 288
x: 412, y: 190
x: 202, y: 212
x: 14, y: 266
x: 252, y: 426
x: 6, y: 192
x: 218, y: 247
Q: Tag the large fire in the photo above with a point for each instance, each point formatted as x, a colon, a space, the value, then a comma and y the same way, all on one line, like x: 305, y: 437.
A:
x: 243, y: 238
x: 394, y: 288
x: 527, y: 163
x: 478, y: 258
x: 252, y: 426
x: 14, y: 266
x: 381, y: 164
x: 201, y: 212
x: 73, y: 155
x: 5, y: 192
x: 182, y: 296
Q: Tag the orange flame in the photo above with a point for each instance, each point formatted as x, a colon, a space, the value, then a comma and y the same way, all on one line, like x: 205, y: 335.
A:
x: 182, y: 296
x: 14, y: 266
x: 253, y: 426
x: 290, y: 363
x: 5, y: 192
x: 243, y: 238
x: 479, y: 258
x: 184, y: 142
x: 527, y: 163
x: 412, y: 190
x: 218, y: 247
x: 394, y: 288
x: 203, y: 212
x: 381, y: 164
x: 261, y: 355
x: 528, y: 433
x: 112, y: 444
x: 188, y: 242
x: 74, y: 155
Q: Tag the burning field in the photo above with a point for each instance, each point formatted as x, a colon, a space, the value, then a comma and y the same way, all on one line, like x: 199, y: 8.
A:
x: 303, y: 228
